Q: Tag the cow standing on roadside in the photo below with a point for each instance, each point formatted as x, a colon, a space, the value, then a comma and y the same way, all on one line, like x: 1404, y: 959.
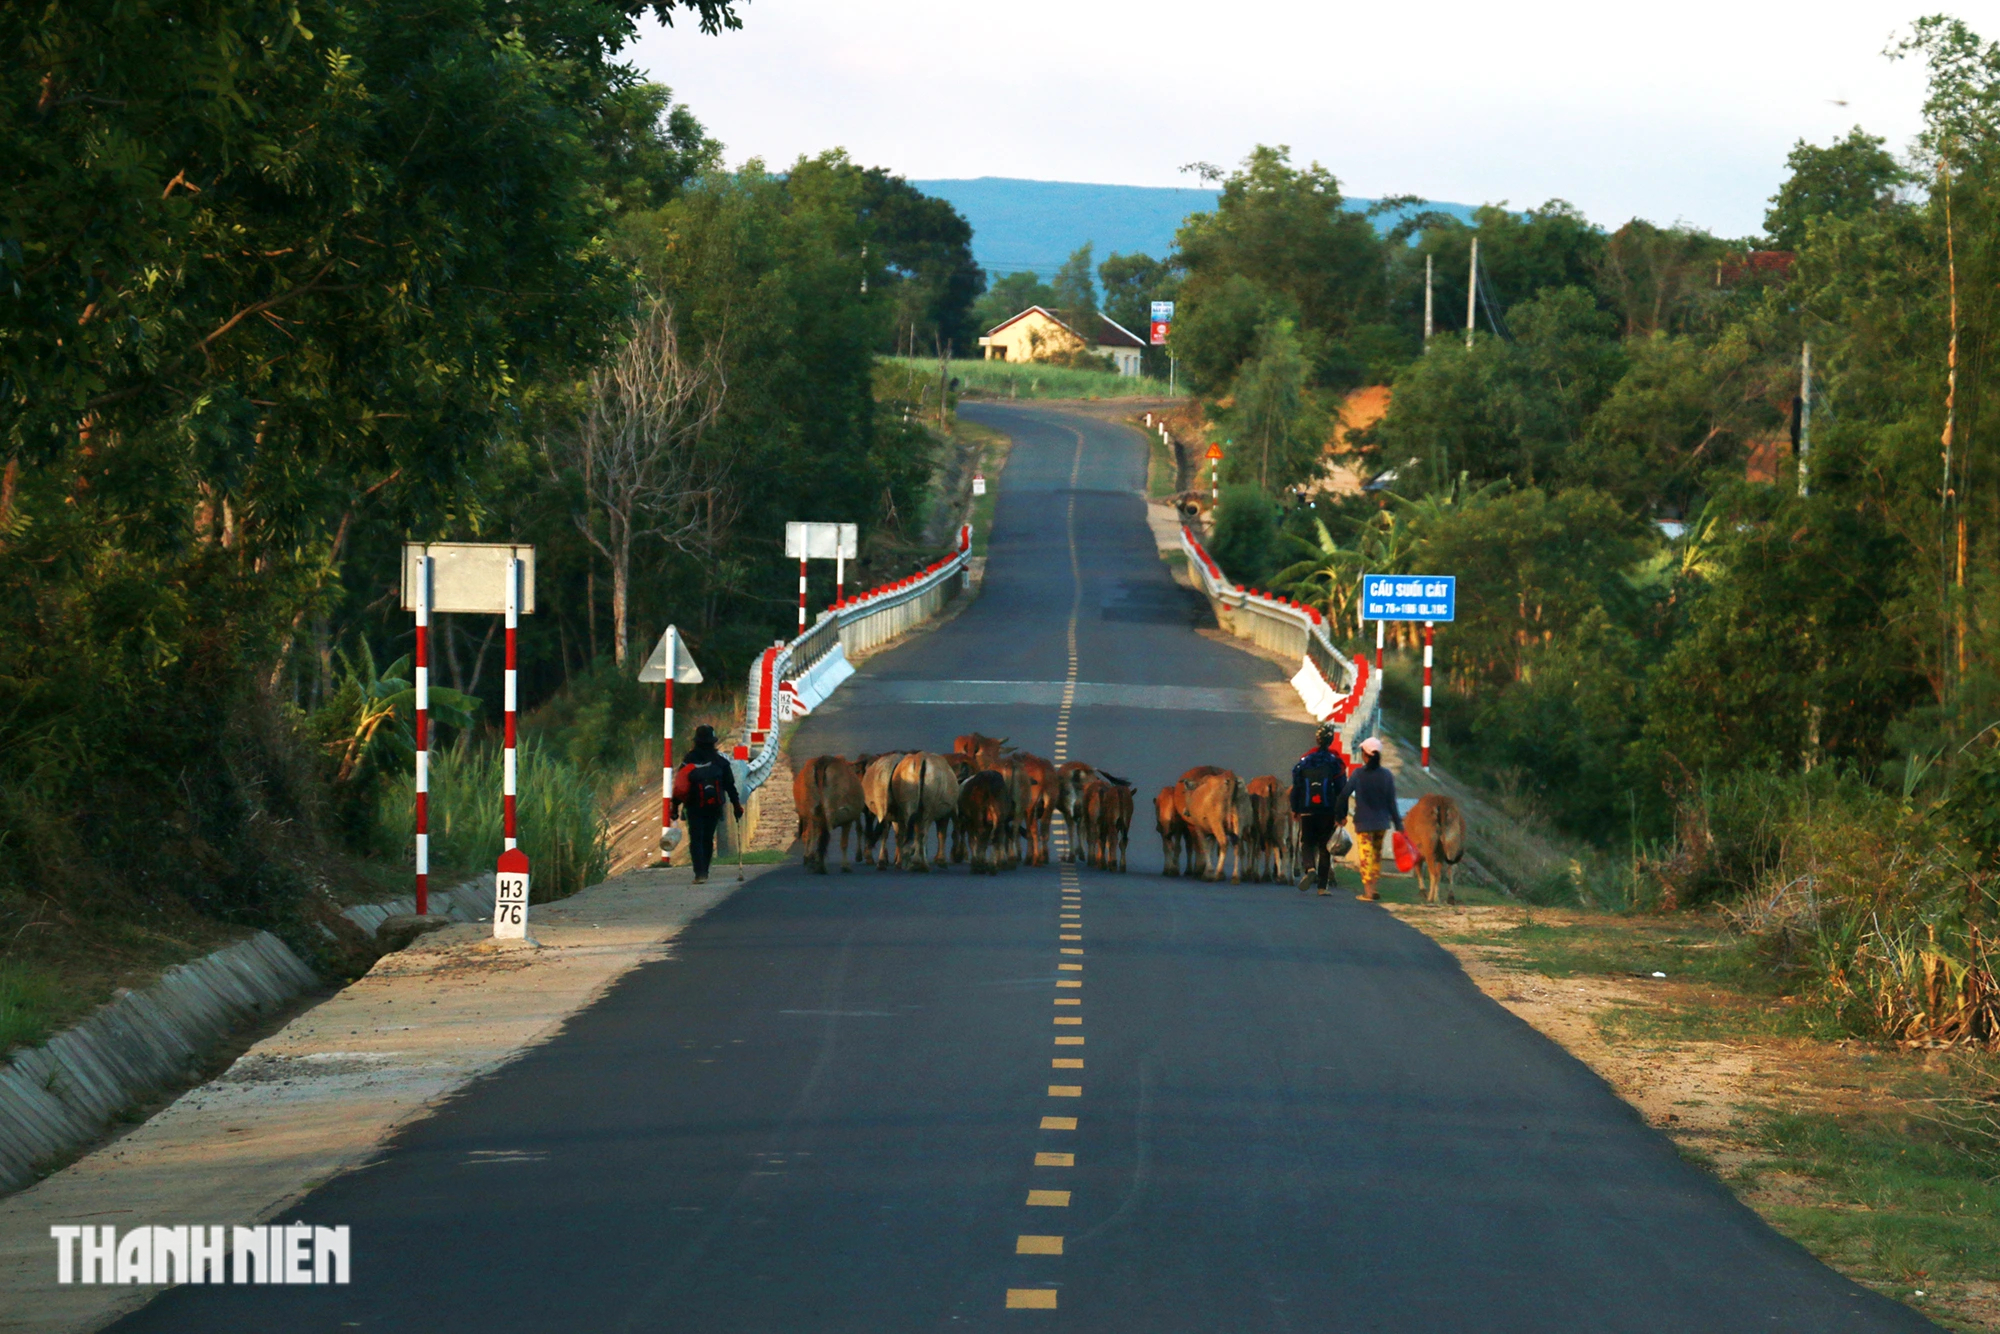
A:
x: 1436, y: 830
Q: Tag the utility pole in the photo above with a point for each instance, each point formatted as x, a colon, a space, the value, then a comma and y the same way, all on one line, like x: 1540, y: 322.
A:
x: 1472, y: 296
x: 1430, y: 326
x: 1805, y: 418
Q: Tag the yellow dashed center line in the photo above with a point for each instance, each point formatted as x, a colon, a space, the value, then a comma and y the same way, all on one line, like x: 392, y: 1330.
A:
x: 1065, y: 1041
x: 1031, y: 1299
x: 1048, y: 1199
x: 1055, y: 1160
x: 1059, y: 1123
x: 1066, y: 1063
x: 1027, y: 1245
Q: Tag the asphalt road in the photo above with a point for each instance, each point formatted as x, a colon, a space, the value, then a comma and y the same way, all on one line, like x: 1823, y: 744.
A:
x: 854, y: 1103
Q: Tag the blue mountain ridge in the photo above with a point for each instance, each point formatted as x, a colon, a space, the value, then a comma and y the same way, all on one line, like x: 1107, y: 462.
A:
x: 1034, y: 226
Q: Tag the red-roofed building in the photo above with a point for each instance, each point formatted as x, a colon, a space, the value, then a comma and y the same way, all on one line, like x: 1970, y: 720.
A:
x: 1039, y: 334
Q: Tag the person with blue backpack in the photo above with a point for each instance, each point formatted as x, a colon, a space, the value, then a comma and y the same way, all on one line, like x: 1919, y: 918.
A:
x: 1319, y: 804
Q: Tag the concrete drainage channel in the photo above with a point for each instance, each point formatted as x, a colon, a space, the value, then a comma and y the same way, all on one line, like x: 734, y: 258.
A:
x: 57, y: 1097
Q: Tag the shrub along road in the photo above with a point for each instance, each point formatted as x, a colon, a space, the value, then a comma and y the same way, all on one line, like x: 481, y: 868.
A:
x: 861, y: 1102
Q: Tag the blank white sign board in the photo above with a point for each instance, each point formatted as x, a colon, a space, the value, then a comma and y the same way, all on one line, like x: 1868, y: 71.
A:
x: 469, y: 576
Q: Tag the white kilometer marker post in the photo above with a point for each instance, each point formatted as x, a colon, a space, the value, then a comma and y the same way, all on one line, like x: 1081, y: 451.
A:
x: 510, y: 896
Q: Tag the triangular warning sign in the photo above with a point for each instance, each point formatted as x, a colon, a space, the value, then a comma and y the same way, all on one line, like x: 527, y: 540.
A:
x: 669, y: 649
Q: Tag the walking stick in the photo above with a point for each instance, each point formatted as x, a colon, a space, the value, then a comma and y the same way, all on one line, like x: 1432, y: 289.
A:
x: 736, y: 831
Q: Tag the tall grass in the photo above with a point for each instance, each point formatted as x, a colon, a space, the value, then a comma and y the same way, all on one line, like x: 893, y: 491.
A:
x: 1008, y: 379
x: 558, y: 813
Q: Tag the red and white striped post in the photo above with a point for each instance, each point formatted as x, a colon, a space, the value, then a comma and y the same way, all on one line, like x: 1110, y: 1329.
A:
x: 509, y: 771
x: 839, y: 577
x: 1378, y: 644
x: 423, y: 682
x: 1427, y: 698
x: 802, y: 595
x: 667, y: 752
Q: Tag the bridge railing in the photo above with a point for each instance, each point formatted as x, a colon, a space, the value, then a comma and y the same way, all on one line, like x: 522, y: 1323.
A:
x: 795, y: 676
x: 1333, y: 686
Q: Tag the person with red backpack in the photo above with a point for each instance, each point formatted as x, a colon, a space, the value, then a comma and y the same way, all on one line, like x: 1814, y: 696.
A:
x: 701, y: 784
x: 1319, y: 804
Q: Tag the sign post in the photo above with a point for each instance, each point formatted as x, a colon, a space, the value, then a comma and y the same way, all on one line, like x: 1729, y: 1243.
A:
x: 510, y: 896
x: 494, y: 578
x: 425, y: 581
x: 837, y: 542
x: 668, y: 665
x: 1214, y: 466
x: 1428, y: 598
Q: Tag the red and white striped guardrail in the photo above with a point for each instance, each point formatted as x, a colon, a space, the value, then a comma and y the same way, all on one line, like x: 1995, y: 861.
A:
x: 794, y: 677
x: 1289, y: 626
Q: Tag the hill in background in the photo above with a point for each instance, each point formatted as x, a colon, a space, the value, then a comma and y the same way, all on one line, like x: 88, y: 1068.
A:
x: 1035, y: 225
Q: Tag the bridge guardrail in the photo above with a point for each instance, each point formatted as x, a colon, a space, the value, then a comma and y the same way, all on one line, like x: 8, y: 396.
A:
x: 1333, y: 686
x: 805, y: 670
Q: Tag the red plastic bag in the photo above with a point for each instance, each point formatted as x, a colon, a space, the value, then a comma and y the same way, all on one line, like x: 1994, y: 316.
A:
x: 1406, y: 855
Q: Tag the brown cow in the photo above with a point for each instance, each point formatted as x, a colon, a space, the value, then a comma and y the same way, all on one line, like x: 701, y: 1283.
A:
x: 1268, y: 827
x: 923, y: 795
x: 1436, y: 829
x: 985, y: 809
x: 1121, y: 820
x: 1034, y: 818
x: 1106, y: 822
x: 827, y: 793
x: 1173, y: 828
x: 983, y: 751
x: 1215, y: 808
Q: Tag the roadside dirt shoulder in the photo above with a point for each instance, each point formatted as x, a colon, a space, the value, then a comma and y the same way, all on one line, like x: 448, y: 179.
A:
x: 1718, y: 1098
x: 323, y: 1094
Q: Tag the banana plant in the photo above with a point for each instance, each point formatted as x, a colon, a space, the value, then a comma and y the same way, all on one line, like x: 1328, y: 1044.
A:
x: 372, y: 714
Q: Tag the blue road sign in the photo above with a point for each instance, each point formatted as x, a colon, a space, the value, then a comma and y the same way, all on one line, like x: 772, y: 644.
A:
x: 1409, y: 597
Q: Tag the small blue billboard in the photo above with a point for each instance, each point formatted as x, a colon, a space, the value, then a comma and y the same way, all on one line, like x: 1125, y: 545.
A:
x: 1409, y: 597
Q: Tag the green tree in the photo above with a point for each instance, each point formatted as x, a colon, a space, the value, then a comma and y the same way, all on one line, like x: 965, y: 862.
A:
x: 1008, y: 296
x: 1279, y: 242
x: 1075, y: 292
x: 1280, y: 427
x: 1848, y: 178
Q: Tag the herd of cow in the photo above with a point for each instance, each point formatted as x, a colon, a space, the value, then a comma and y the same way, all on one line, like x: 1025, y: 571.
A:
x: 994, y: 807
x: 985, y: 804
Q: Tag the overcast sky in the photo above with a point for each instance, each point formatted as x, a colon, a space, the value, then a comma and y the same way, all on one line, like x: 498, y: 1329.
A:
x: 1676, y: 111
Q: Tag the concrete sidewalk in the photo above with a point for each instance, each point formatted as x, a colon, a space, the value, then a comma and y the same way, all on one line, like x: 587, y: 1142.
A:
x: 322, y: 1095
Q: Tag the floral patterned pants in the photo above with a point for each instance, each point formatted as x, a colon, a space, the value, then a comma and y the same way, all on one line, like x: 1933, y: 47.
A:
x: 1368, y: 847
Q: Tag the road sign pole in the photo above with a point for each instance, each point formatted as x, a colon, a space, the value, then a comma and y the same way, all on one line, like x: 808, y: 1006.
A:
x: 1427, y: 698
x: 839, y: 580
x: 667, y: 752
x: 802, y: 595
x: 509, y: 761
x: 423, y: 675
x: 1379, y: 626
